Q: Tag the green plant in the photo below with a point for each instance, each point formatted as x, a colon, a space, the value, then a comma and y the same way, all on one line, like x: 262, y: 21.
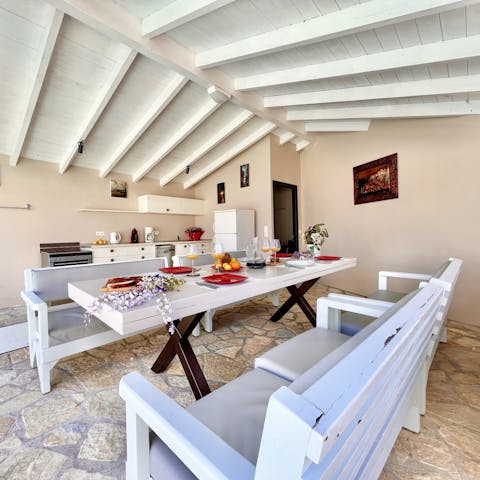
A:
x: 316, y: 234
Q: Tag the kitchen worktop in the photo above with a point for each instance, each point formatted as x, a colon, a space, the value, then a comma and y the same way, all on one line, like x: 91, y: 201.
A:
x: 140, y: 244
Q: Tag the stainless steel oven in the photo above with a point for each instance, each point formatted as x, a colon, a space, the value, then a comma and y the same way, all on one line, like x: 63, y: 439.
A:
x: 61, y: 254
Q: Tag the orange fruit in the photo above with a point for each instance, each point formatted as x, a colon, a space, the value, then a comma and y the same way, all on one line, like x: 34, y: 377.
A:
x: 235, y: 265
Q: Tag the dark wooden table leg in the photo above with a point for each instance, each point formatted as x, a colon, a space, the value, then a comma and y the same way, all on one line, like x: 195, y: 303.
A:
x: 184, y: 328
x: 297, y: 296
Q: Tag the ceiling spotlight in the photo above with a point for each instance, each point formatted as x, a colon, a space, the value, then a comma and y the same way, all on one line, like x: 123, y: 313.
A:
x: 187, y: 170
x: 80, y: 146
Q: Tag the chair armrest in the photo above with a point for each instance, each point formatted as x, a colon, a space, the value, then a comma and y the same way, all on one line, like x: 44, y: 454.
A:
x: 384, y: 275
x: 201, y: 450
x: 33, y: 301
x: 329, y: 309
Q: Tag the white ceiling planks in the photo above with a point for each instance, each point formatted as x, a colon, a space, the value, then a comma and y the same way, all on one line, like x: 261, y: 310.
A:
x: 355, y: 19
x: 123, y: 76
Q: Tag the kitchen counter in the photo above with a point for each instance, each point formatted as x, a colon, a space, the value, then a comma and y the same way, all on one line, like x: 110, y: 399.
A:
x: 142, y: 244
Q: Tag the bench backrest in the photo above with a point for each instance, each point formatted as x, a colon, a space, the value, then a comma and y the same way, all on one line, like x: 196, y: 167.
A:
x: 51, y: 283
x: 203, y: 259
x: 345, y: 423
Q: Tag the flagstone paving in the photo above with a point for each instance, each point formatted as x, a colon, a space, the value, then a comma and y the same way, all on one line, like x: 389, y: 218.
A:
x: 77, y: 431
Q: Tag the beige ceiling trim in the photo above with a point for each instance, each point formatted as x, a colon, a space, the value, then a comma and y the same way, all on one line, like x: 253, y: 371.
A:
x: 207, y: 146
x: 46, y: 51
x: 354, y: 19
x: 113, y: 21
x: 232, y: 152
x: 136, y: 131
x: 123, y: 64
x: 178, y: 13
x: 459, y: 48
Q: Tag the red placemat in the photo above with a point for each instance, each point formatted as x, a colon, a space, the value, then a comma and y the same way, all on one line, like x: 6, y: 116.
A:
x: 327, y: 257
x: 176, y: 270
x: 224, y: 278
x: 284, y: 255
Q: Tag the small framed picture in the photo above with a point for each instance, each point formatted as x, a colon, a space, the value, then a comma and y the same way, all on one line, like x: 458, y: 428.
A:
x: 221, y: 192
x: 118, y: 188
x: 245, y: 175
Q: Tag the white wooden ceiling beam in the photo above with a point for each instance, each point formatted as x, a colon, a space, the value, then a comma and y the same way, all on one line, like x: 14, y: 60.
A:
x: 459, y: 48
x: 46, y: 51
x: 210, y: 144
x: 437, y: 86
x: 232, y: 152
x: 116, y: 23
x: 123, y: 64
x: 286, y: 137
x: 337, y: 126
x: 409, y: 110
x: 194, y: 121
x: 358, y: 18
x: 178, y: 13
x: 136, y: 131
x: 301, y: 145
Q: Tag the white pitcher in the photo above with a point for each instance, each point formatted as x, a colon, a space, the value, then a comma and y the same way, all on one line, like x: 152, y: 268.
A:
x: 115, y: 237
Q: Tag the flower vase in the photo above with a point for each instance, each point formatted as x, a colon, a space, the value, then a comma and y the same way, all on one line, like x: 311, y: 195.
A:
x: 317, y: 251
x: 310, y: 248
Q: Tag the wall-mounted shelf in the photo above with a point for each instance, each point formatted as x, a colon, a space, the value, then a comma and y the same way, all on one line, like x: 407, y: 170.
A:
x: 107, y: 210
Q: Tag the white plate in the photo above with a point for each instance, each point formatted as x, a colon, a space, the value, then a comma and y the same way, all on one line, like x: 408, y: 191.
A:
x: 300, y: 263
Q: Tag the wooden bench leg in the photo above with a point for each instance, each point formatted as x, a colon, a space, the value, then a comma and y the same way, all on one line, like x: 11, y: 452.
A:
x: 44, y: 375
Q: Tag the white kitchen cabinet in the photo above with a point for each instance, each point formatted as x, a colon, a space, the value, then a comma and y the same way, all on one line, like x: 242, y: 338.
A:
x: 234, y: 228
x: 181, y: 248
x: 170, y: 205
x: 119, y: 252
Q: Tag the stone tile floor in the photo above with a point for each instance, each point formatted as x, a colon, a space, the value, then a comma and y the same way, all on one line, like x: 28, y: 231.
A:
x: 77, y: 430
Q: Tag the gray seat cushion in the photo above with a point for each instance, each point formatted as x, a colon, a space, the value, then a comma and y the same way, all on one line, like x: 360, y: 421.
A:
x: 306, y: 380
x: 293, y: 357
x: 235, y: 412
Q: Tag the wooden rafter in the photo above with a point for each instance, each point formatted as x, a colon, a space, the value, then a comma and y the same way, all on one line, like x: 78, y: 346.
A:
x: 232, y: 152
x: 459, y: 48
x: 46, y: 50
x: 358, y: 18
x: 409, y: 110
x: 136, y: 131
x: 337, y: 126
x: 178, y: 13
x: 418, y: 88
x: 116, y: 23
x: 207, y: 146
x: 286, y: 137
x: 193, y: 122
x: 123, y: 64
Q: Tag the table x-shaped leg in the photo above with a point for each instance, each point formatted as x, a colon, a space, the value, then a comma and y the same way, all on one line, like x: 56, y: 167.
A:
x: 178, y: 344
x: 297, y: 297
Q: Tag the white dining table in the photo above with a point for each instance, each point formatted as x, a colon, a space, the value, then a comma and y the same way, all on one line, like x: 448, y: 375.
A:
x: 194, y: 298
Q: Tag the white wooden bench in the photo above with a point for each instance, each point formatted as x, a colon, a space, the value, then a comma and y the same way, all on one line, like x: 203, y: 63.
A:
x: 339, y: 419
x: 290, y: 359
x: 206, y: 259
x: 352, y: 322
x: 56, y: 325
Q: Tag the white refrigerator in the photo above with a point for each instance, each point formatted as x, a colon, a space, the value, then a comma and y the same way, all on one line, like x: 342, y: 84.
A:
x: 235, y: 228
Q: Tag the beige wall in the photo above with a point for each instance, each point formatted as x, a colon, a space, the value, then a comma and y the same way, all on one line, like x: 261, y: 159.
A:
x: 435, y: 216
x: 257, y: 196
x: 54, y: 216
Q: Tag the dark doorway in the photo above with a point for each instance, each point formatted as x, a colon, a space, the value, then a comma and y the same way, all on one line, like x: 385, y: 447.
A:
x: 285, y: 216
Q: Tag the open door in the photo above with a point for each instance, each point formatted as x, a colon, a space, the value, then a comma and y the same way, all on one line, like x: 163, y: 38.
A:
x: 285, y: 216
